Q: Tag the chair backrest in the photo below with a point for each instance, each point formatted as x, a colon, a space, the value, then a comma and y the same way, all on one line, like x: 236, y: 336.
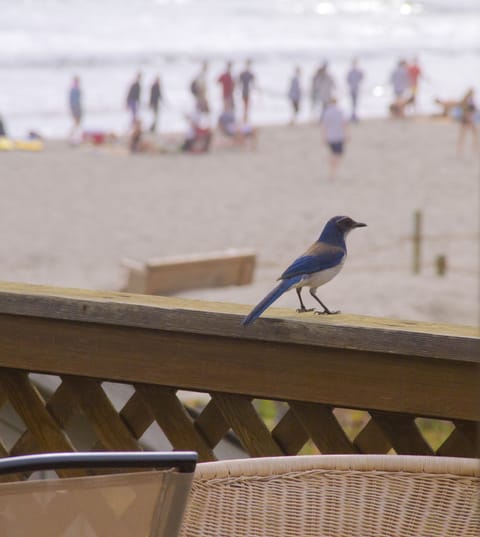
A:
x: 126, y: 504
x: 335, y: 496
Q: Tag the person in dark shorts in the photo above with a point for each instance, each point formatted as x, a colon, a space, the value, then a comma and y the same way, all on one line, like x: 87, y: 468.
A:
x: 133, y: 97
x: 246, y: 80
x: 155, y: 101
x: 295, y: 94
x: 336, y: 147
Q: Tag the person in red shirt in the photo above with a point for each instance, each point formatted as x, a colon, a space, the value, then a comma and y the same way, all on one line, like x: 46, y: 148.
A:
x: 228, y: 85
x: 414, y: 74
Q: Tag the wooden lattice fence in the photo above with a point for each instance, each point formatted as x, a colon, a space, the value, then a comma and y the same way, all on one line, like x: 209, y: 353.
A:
x: 393, y: 375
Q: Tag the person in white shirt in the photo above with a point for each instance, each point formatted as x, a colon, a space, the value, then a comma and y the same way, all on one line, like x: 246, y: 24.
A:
x: 335, y: 134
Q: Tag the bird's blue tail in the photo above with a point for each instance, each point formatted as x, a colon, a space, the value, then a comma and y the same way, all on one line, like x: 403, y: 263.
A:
x: 275, y: 293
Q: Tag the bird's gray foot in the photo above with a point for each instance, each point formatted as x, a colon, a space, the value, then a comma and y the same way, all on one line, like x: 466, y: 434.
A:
x: 304, y: 310
x: 327, y: 312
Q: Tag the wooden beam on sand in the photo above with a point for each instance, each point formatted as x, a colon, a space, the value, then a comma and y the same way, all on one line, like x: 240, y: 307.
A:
x: 169, y: 275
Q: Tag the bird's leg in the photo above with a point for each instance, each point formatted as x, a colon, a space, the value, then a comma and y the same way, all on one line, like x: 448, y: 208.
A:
x: 325, y: 309
x: 302, y: 308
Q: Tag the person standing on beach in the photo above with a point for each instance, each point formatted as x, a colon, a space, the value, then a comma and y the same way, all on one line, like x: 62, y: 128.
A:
x: 133, y: 97
x: 400, y: 80
x: 335, y: 134
x: 3, y: 130
x: 323, y: 88
x: 246, y: 80
x: 155, y: 101
x: 75, y: 106
x: 295, y: 94
x: 414, y: 74
x: 354, y: 79
x: 228, y: 85
x: 467, y: 122
x: 198, y: 87
x: 314, y: 93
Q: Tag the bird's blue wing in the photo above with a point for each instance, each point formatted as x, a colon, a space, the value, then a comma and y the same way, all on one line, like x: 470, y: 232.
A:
x: 318, y: 257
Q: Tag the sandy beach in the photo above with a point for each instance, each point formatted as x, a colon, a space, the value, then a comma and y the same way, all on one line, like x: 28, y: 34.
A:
x: 69, y: 215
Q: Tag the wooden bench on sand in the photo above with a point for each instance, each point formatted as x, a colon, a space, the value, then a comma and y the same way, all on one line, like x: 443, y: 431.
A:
x: 167, y: 275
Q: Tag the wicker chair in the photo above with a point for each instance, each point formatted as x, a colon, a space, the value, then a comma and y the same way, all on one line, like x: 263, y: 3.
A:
x: 335, y: 496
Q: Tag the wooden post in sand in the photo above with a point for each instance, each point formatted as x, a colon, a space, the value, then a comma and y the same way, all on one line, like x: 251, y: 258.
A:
x: 441, y: 265
x: 417, y: 240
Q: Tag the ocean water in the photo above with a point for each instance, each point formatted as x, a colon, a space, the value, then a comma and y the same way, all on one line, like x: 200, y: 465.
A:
x: 43, y: 43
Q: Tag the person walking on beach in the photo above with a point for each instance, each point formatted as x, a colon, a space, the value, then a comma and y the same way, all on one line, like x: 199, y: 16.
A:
x: 314, y: 93
x: 228, y: 85
x: 75, y: 106
x: 335, y: 134
x: 133, y: 97
x: 414, y: 74
x: 246, y: 80
x: 400, y: 80
x: 3, y: 130
x: 156, y: 98
x: 198, y: 87
x: 354, y: 80
x: 323, y: 87
x: 467, y: 122
x: 295, y: 94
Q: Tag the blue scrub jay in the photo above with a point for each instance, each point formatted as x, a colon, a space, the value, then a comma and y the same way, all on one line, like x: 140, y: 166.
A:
x: 318, y: 265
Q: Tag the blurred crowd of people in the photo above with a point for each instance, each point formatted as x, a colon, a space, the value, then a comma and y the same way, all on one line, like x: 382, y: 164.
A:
x: 234, y: 121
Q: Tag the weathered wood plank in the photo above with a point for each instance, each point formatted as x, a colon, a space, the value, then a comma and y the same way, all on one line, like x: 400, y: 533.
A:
x: 212, y: 424
x: 344, y: 378
x: 195, y: 271
x: 371, y: 440
x: 458, y: 445
x: 405, y: 338
x: 29, y: 405
x: 97, y: 407
x: 322, y: 427
x: 469, y: 429
x: 289, y: 434
x: 59, y: 406
x: 174, y: 421
x: 464, y: 441
x: 137, y: 415
x: 239, y: 412
x: 402, y: 432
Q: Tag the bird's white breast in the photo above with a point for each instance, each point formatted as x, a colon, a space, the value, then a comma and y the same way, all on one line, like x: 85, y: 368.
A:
x: 316, y: 279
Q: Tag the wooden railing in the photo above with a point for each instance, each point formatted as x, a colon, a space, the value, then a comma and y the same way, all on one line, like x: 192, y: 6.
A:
x: 393, y: 374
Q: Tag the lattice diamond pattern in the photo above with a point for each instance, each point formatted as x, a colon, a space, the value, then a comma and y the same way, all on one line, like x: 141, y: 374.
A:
x: 84, y: 413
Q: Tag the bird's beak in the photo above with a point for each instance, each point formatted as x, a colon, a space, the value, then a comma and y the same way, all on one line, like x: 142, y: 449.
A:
x: 359, y: 224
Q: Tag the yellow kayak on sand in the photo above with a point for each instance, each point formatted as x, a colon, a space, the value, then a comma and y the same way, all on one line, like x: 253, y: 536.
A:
x: 6, y: 144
